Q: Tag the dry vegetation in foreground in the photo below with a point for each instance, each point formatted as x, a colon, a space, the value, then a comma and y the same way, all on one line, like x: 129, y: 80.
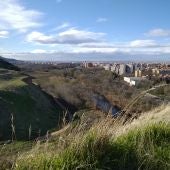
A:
x: 140, y: 144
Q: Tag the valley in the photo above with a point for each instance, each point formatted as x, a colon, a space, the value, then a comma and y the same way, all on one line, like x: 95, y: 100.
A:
x: 48, y: 110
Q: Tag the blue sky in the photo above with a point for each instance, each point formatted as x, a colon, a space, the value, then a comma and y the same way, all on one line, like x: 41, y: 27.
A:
x: 85, y: 29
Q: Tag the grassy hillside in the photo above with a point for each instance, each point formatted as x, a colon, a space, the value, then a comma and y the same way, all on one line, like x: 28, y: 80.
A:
x: 140, y: 144
x: 24, y: 108
x: 6, y: 65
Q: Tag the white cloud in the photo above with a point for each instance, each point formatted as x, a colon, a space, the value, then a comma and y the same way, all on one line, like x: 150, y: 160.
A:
x: 94, y: 50
x: 70, y: 36
x: 102, y: 20
x: 13, y: 15
x: 159, y: 33
x: 62, y: 26
x: 130, y: 44
x: 135, y: 47
x: 80, y: 36
x: 4, y: 34
x: 40, y: 51
x: 143, y: 43
x: 38, y: 37
x: 77, y: 41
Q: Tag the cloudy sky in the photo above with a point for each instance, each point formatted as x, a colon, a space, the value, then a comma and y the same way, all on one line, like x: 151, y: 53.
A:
x: 85, y: 29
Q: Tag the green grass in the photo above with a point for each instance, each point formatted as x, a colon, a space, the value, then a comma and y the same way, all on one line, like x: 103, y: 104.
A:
x: 9, y: 79
x: 145, y: 148
x: 6, y: 65
x: 9, y: 152
x: 13, y: 83
x: 31, y: 108
x: 162, y: 92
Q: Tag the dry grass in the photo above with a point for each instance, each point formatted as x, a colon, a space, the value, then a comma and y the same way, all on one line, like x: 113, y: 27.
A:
x: 140, y: 144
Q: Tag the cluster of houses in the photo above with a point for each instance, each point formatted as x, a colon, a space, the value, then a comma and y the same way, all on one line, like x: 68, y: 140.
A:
x: 134, y: 73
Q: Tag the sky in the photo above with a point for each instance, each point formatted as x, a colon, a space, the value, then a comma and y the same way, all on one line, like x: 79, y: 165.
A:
x: 79, y: 30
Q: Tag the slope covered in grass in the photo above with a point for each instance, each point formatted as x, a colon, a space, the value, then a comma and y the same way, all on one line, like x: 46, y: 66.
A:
x: 6, y: 65
x: 25, y: 111
x: 141, y: 144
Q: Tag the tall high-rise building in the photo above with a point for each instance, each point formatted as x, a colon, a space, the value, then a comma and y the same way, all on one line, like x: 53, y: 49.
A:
x: 122, y: 69
x: 138, y: 73
x: 129, y: 68
x: 115, y: 68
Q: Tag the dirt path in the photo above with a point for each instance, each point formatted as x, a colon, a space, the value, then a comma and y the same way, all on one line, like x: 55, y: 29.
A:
x: 140, y: 96
x: 60, y: 131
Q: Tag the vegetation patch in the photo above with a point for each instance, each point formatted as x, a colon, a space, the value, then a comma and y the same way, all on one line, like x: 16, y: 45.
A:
x: 26, y: 111
x: 145, y: 148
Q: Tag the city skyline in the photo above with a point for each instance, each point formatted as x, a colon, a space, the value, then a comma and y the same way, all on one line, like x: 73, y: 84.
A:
x: 76, y: 30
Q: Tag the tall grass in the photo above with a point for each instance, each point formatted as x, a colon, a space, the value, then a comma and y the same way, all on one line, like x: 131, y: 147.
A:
x: 99, y: 148
x: 13, y: 135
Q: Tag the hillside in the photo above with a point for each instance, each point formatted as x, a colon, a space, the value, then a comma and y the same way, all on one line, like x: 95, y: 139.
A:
x: 92, y: 89
x: 106, y: 145
x: 25, y: 110
x: 35, y: 135
x: 4, y: 64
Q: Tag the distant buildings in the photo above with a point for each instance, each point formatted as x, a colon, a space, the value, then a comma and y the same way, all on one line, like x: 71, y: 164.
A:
x: 155, y: 71
x: 130, y: 68
x: 138, y: 73
x: 164, y: 74
x: 133, y: 81
x: 115, y: 68
x: 134, y: 72
x: 87, y: 64
x: 122, y: 69
x: 107, y: 67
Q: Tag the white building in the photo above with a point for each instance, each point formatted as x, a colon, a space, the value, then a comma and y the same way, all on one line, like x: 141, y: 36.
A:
x: 122, y: 69
x: 107, y: 67
x: 133, y: 81
x: 115, y: 68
